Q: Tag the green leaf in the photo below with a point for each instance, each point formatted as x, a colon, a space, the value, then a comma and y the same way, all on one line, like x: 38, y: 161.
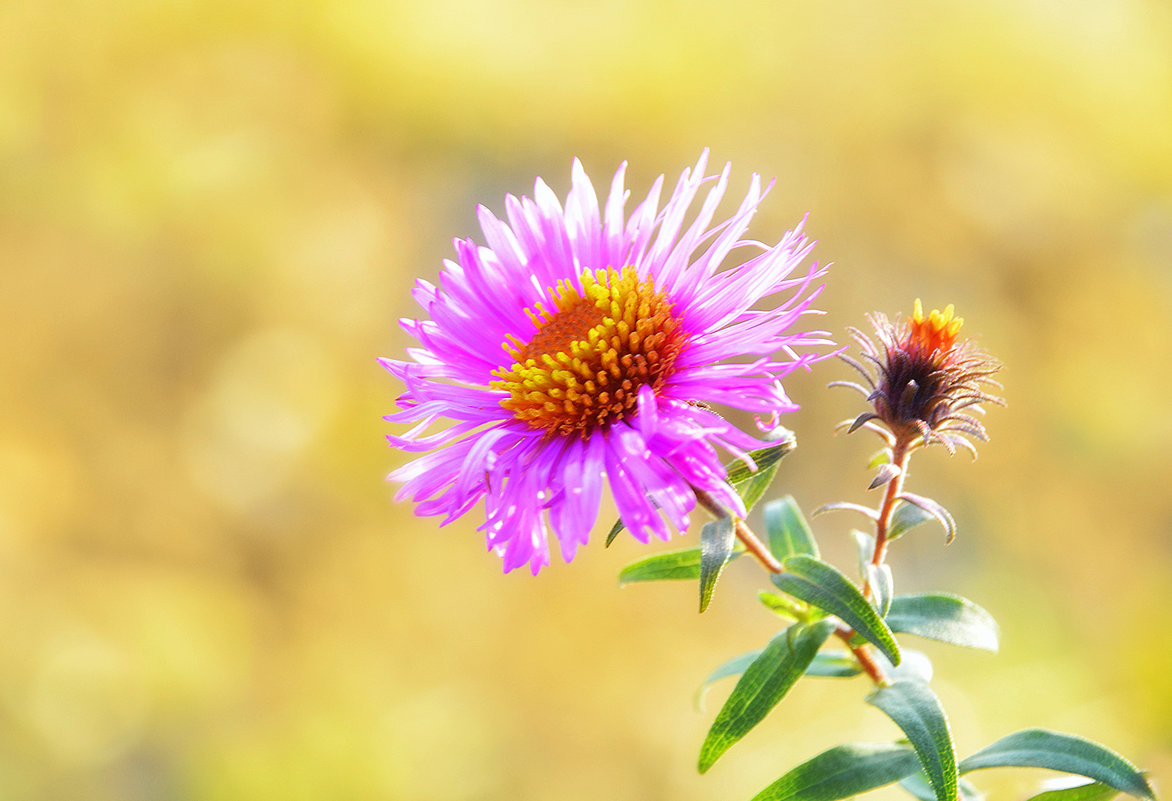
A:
x: 842, y: 772
x: 907, y: 516
x: 769, y: 456
x: 1040, y: 748
x: 826, y: 665
x: 752, y: 484
x: 834, y: 665
x: 733, y: 667
x: 822, y: 585
x: 787, y: 531
x: 614, y: 531
x: 763, y: 684
x: 946, y: 618
x: 786, y: 607
x: 915, y: 709
x: 1093, y: 791
x: 716, y: 547
x: 683, y: 564
x: 917, y: 784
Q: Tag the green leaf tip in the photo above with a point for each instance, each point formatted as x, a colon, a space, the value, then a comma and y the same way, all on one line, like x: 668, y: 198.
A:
x: 918, y: 713
x: 716, y: 547
x: 762, y: 686
x: 667, y: 566
x: 786, y: 530
x: 818, y: 583
x: 1069, y: 753
x: 843, y: 772
x: 614, y: 532
x: 751, y: 485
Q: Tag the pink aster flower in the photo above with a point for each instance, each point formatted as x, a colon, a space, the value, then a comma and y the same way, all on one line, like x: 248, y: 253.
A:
x: 580, y: 347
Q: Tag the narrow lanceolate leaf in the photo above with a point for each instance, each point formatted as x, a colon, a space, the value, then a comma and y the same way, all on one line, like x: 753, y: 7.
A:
x: 787, y: 531
x: 946, y: 618
x: 752, y: 484
x: 916, y: 710
x: 822, y: 585
x: 826, y: 665
x: 1093, y: 791
x: 733, y: 667
x: 842, y: 772
x: 938, y: 512
x: 1040, y: 748
x: 763, y: 684
x: 716, y: 546
x: 684, y: 564
x: 907, y: 516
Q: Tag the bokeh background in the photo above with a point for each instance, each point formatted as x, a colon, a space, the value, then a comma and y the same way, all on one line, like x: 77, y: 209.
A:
x: 211, y: 213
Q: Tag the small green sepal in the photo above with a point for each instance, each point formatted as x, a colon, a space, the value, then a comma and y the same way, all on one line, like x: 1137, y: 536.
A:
x: 615, y: 530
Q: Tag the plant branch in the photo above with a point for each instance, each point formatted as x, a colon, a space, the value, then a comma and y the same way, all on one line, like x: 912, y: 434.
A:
x: 767, y: 560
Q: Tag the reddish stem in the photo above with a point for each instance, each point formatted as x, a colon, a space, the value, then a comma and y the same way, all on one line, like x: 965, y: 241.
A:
x: 757, y: 548
x: 900, y: 454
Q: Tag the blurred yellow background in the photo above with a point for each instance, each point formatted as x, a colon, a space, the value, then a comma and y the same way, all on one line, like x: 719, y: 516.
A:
x: 210, y: 216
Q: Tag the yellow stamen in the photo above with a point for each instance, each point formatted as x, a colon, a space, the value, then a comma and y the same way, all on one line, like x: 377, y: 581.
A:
x: 592, y: 354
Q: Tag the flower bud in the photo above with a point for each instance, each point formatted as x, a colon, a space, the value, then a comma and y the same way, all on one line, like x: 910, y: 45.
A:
x: 924, y: 382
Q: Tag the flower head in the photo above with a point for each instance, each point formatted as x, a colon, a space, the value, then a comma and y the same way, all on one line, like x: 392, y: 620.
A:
x: 580, y: 347
x: 929, y: 382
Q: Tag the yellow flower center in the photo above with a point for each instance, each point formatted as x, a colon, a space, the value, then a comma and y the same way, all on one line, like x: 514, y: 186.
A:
x: 935, y: 333
x: 592, y: 353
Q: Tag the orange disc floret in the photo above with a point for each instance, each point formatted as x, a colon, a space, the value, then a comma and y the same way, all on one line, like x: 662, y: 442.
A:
x: 936, y: 333
x: 592, y: 353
